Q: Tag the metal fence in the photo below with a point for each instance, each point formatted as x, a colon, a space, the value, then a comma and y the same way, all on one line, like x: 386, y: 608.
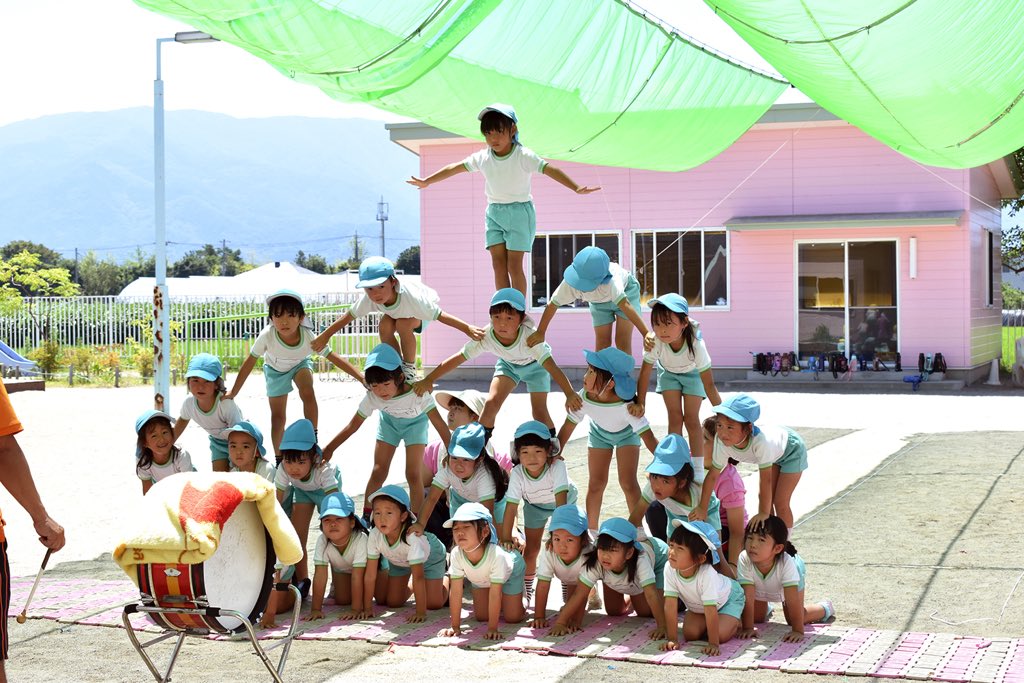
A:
x: 222, y: 327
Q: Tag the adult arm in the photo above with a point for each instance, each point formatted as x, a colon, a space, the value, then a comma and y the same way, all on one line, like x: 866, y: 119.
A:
x: 16, y: 477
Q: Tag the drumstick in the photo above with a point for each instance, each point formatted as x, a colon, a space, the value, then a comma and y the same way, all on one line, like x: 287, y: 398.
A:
x: 46, y: 558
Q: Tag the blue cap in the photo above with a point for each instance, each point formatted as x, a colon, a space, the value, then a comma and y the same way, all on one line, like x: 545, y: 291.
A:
x: 535, y: 427
x: 205, y: 366
x: 589, y: 269
x: 395, y: 493
x: 374, y: 271
x: 338, y: 504
x: 569, y: 518
x: 383, y: 356
x: 672, y: 302
x: 671, y: 455
x: 252, y: 430
x: 504, y: 109
x: 741, y: 407
x: 289, y: 293
x: 620, y: 364
x: 468, y: 441
x: 144, y: 419
x: 471, y: 512
x: 299, y: 436
x: 706, y: 532
x: 512, y: 297
x: 621, y: 530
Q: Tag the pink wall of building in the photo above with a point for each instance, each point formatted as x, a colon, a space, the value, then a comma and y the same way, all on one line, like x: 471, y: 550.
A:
x: 773, y: 170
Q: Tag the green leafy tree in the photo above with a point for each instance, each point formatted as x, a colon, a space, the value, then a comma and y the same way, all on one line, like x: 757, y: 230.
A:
x: 100, y: 277
x: 1012, y: 242
x: 210, y: 260
x: 140, y: 264
x: 48, y: 258
x: 357, y: 251
x: 409, y: 260
x: 314, y: 262
x: 1013, y: 298
x: 24, y: 275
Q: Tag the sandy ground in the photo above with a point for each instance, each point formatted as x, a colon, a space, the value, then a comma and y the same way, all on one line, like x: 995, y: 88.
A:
x: 906, y: 518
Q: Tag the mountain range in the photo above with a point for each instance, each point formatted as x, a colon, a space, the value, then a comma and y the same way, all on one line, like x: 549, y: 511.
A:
x: 269, y: 187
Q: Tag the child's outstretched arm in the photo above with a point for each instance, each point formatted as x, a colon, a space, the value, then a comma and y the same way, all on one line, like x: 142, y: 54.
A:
x: 657, y: 603
x: 649, y: 439
x: 493, y: 612
x: 426, y: 385
x: 419, y: 593
x: 671, y: 610
x: 708, y: 380
x: 707, y: 489
x: 455, y: 608
x: 765, y: 497
x: 346, y: 367
x: 559, y: 176
x: 147, y: 484
x: 440, y: 426
x: 360, y: 610
x: 351, y: 428
x: 713, y: 647
x: 542, y: 326
x: 793, y: 607
x: 573, y: 402
x: 243, y: 373
x: 572, y: 605
x: 437, y: 176
x: 643, y: 382
x: 747, y: 628
x: 369, y: 582
x: 634, y: 317
x: 321, y: 341
x: 472, y: 331
x: 511, y: 512
x: 426, y: 510
x: 179, y: 426
x: 540, y: 603
x: 565, y: 433
x: 316, y: 608
x: 636, y: 515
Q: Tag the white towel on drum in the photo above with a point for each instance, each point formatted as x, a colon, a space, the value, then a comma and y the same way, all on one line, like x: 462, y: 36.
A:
x: 182, y: 516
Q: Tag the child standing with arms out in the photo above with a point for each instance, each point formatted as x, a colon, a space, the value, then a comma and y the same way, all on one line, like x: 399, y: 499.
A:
x: 407, y: 307
x: 612, y: 293
x: 608, y: 392
x: 341, y: 549
x: 494, y: 574
x: 156, y: 455
x: 507, y: 167
x: 286, y: 347
x: 684, y: 369
x: 208, y: 406
x: 562, y: 556
x: 631, y: 573
x: 771, y: 571
x: 246, y: 451
x: 779, y: 453
x: 421, y: 556
x: 539, y: 482
x: 517, y: 362
x: 403, y: 417
x: 714, y: 602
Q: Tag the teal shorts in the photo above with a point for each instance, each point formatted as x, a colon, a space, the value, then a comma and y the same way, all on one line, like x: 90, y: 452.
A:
x: 514, y: 583
x: 393, y: 430
x: 660, y: 561
x: 514, y: 225
x: 733, y: 607
x: 280, y: 383
x: 536, y: 377
x: 314, y: 497
x: 218, y: 449
x: 604, y: 313
x: 794, y: 458
x: 603, y: 439
x: 433, y: 568
x: 536, y: 515
x: 455, y: 501
x: 688, y: 383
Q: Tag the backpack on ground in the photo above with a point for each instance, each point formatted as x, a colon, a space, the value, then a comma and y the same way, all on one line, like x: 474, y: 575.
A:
x: 794, y: 361
x: 929, y: 364
x: 761, y: 363
x: 920, y: 363
x: 939, y: 363
x: 776, y: 363
x: 786, y: 363
x: 899, y: 362
x: 840, y: 365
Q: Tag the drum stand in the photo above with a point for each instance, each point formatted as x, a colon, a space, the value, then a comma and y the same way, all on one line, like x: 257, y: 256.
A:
x: 211, y: 613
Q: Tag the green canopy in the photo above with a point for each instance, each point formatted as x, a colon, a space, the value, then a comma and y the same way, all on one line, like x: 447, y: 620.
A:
x: 593, y: 81
x: 942, y: 82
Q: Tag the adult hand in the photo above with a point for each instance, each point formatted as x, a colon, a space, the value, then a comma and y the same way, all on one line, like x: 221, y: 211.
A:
x: 50, y: 533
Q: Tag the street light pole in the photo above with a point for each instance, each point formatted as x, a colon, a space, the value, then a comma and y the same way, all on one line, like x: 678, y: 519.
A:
x: 382, y: 216
x: 161, y: 302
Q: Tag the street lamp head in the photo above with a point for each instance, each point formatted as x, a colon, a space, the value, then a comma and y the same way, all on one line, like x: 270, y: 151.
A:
x: 194, y: 37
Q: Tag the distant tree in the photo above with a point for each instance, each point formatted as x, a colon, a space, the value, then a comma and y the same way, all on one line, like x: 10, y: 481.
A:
x: 314, y: 262
x: 409, y: 260
x: 138, y: 265
x: 100, y: 277
x: 1013, y: 298
x: 24, y: 274
x: 357, y: 251
x: 48, y: 258
x: 210, y: 261
x: 1012, y: 241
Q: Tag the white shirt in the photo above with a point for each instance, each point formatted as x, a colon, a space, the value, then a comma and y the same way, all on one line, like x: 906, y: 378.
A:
x: 677, y: 510
x: 404, y: 553
x: 517, y: 353
x: 353, y: 556
x: 611, y: 417
x: 551, y: 565
x: 769, y: 587
x: 264, y: 468
x: 612, y: 291
x: 325, y: 478
x: 620, y: 583
x: 494, y: 567
x: 507, y: 178
x: 154, y: 472
x: 478, y: 488
x: 540, y: 491
x: 681, y: 361
x: 224, y: 415
x: 415, y: 300
x: 406, y: 406
x: 705, y: 588
x: 762, y: 449
x: 279, y: 355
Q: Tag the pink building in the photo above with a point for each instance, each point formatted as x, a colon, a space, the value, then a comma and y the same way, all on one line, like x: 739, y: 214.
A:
x: 805, y: 235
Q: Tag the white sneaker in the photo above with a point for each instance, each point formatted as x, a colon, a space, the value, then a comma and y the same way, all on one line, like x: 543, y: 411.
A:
x: 411, y: 373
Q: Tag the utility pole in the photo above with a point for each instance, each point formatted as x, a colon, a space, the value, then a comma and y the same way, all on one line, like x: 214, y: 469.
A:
x: 223, y: 257
x: 382, y: 216
x: 355, y: 248
x: 76, y: 266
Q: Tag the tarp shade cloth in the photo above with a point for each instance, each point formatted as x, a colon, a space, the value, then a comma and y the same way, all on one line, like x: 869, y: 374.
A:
x: 941, y: 82
x: 592, y: 80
